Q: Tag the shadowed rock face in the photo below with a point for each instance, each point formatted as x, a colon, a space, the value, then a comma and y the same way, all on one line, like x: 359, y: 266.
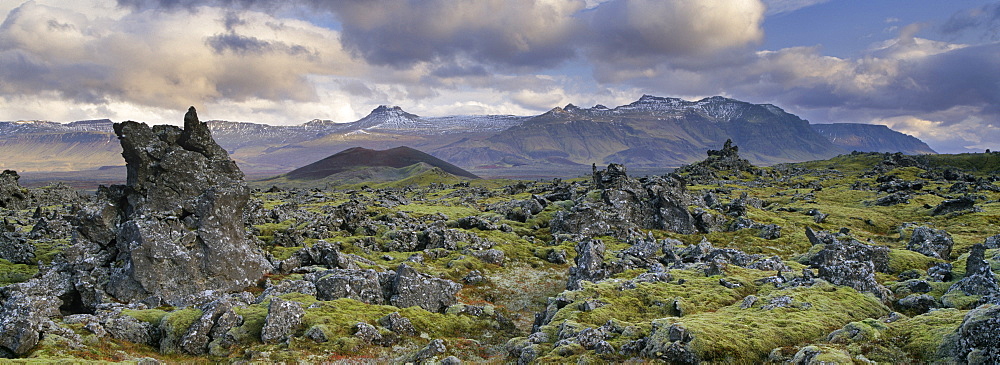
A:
x: 182, y: 216
x: 12, y: 196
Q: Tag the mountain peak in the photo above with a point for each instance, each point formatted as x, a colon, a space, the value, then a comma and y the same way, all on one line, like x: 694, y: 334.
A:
x: 388, y: 109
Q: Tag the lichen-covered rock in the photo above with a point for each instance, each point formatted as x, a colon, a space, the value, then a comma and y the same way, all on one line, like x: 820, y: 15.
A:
x: 14, y: 247
x: 931, y: 242
x: 850, y: 263
x: 283, y: 319
x: 411, y: 288
x: 26, y: 307
x: 992, y: 242
x: 127, y: 328
x: 589, y: 264
x: 670, y: 342
x: 627, y: 205
x: 12, y: 195
x: 367, y: 333
x: 398, y: 324
x: 366, y: 286
x: 285, y: 287
x: 182, y: 228
x: 976, y: 341
x: 979, y: 279
x: 432, y: 350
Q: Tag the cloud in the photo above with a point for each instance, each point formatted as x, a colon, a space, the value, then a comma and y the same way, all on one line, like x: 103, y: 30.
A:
x: 631, y: 37
x: 985, y: 19
x: 165, y: 59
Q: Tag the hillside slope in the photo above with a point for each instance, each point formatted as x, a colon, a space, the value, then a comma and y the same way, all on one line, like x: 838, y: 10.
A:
x: 355, y: 158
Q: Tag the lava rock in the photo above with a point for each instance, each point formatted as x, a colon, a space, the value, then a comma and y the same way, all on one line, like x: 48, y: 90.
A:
x: 366, y: 286
x: 931, y: 242
x: 411, y: 288
x: 962, y: 204
x: 398, y: 324
x: 12, y: 195
x: 979, y: 278
x: 283, y: 318
x: 976, y: 341
x: 182, y: 230
x: 916, y: 304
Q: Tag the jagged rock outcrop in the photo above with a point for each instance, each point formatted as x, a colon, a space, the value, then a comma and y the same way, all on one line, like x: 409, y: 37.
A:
x: 931, y: 242
x: 979, y: 279
x: 283, y: 319
x: 975, y: 341
x: 403, y: 288
x: 845, y: 261
x: 174, y: 234
x: 627, y: 205
x: 726, y: 160
x: 12, y: 195
x: 14, y: 247
x: 181, y: 229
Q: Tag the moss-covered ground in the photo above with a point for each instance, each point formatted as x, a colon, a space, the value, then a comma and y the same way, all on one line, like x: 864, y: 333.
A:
x: 527, y: 280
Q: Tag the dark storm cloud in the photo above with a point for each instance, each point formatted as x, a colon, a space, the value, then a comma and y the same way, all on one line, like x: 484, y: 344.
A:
x: 982, y: 19
x: 513, y: 35
x: 239, y: 44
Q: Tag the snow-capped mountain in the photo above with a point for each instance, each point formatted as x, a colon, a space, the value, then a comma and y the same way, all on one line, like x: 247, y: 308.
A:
x: 395, y: 120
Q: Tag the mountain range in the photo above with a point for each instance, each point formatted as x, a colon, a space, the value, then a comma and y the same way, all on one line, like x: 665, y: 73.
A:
x: 652, y: 132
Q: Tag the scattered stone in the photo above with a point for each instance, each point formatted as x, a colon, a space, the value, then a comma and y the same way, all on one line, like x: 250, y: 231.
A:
x: 940, y: 272
x: 916, y: 304
x: 963, y: 204
x: 979, y: 278
x: 318, y: 333
x: 992, y: 242
x: 398, y: 324
x: 432, y: 350
x: 367, y: 333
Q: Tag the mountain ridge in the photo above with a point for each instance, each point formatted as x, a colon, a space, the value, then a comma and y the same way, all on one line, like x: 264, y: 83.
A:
x: 650, y: 132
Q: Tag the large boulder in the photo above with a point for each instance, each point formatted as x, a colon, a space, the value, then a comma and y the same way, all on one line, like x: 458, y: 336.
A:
x: 976, y: 341
x: 979, y: 279
x: 12, y: 195
x: 850, y: 263
x: 182, y: 226
x: 931, y: 242
x: 411, y: 288
x: 627, y: 205
x: 283, y: 319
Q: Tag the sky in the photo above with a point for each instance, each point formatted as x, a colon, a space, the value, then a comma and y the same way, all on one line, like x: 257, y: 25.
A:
x: 928, y: 68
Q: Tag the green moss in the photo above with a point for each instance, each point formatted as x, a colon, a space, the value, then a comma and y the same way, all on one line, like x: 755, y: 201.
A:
x: 177, y: 322
x: 922, y: 335
x: 902, y: 260
x: 11, y: 273
x: 253, y: 322
x: 959, y: 300
x: 732, y: 334
x: 151, y: 316
x: 46, y: 250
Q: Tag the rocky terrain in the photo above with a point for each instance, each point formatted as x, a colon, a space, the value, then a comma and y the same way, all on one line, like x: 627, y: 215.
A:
x: 865, y: 257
